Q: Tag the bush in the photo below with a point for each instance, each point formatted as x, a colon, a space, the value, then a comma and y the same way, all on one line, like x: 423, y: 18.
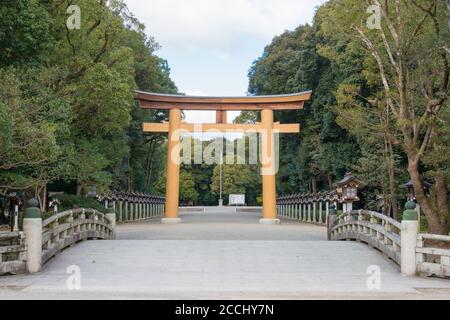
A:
x: 69, y: 202
x: 423, y: 224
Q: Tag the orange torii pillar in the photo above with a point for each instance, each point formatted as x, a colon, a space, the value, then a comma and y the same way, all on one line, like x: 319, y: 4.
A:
x: 173, y: 169
x: 268, y: 169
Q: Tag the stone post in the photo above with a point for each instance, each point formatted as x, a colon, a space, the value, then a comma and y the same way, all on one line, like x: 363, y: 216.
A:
x: 16, y: 218
x: 32, y: 226
x: 320, y: 212
x: 327, y: 211
x: 330, y: 221
x: 111, y: 215
x: 410, y: 227
x: 309, y: 212
x: 314, y: 204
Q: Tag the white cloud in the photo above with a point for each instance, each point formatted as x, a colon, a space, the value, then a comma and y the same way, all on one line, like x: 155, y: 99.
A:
x: 195, y: 93
x: 210, y: 44
x: 219, y: 24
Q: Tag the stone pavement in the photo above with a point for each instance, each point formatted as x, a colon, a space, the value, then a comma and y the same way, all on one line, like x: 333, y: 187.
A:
x: 220, y: 255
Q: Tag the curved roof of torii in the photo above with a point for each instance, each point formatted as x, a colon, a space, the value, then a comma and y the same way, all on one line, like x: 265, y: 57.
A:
x: 149, y: 100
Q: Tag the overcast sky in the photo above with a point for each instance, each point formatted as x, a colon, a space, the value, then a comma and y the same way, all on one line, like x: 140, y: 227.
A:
x: 211, y: 44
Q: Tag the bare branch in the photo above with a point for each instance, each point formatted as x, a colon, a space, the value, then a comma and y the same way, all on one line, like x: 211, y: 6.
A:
x: 374, y: 51
x: 390, y: 25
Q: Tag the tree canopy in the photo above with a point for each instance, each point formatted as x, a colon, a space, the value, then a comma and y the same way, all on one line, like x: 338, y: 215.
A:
x: 380, y: 105
x: 67, y: 98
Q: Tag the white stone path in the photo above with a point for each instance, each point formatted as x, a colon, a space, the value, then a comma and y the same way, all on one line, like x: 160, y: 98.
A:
x: 220, y: 255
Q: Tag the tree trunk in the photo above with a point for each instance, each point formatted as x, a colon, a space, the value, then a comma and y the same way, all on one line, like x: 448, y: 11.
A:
x: 436, y: 225
x: 392, y: 181
x: 43, y: 197
x: 80, y: 187
x: 440, y: 200
x: 130, y: 180
x: 314, y: 184
x: 385, y: 204
x: 149, y: 169
x: 330, y: 181
x: 3, y: 219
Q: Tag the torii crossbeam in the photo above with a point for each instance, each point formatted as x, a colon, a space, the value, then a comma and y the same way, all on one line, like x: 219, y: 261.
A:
x: 264, y: 104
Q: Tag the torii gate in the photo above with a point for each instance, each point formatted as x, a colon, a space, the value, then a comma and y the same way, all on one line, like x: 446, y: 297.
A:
x: 264, y: 104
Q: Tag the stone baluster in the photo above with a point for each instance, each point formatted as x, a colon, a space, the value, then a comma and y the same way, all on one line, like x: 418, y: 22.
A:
x: 314, y: 205
x: 332, y: 217
x: 120, y: 210
x: 111, y: 218
x: 153, y: 206
x: 300, y: 207
x: 309, y: 211
x: 320, y: 212
x: 290, y: 209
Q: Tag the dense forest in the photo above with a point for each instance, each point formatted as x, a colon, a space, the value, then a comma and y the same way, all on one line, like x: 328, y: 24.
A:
x: 68, y: 120
x: 380, y: 107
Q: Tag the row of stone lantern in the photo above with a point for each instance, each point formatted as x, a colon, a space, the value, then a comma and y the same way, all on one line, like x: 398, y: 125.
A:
x: 300, y: 198
x: 133, y: 206
x: 309, y: 207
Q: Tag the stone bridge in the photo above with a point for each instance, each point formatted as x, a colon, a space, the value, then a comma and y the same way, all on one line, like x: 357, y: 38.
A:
x: 220, y: 253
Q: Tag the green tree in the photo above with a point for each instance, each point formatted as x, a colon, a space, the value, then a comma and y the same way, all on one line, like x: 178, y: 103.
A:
x: 73, y: 92
x: 236, y: 179
x: 24, y: 32
x: 292, y: 63
x: 408, y: 65
x: 188, y: 193
x: 34, y: 148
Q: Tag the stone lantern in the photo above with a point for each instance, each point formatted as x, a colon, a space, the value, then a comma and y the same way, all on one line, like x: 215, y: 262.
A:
x: 410, y: 187
x: 347, y: 188
x: 412, y: 195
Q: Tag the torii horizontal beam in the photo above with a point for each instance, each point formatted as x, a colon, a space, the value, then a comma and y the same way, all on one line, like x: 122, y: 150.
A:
x: 157, y: 101
x: 221, y: 127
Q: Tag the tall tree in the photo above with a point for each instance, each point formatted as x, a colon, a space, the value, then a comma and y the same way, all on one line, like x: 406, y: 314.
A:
x: 412, y: 63
x: 292, y: 63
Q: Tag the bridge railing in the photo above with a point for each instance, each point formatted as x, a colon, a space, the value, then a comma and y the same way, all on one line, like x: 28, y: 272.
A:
x: 307, y: 207
x: 67, y: 228
x: 372, y: 228
x: 433, y: 255
x: 415, y: 253
x: 30, y: 249
x: 134, y: 206
x: 12, y: 253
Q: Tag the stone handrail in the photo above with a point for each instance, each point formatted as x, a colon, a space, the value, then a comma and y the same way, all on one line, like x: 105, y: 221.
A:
x: 67, y: 228
x: 430, y: 259
x: 12, y: 252
x: 373, y: 228
x: 307, y: 207
x: 134, y: 206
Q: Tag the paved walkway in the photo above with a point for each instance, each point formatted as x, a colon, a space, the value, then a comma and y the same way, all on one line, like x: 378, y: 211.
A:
x: 220, y: 255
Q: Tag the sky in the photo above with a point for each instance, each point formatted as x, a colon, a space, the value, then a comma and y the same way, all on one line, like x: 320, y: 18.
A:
x: 210, y: 44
